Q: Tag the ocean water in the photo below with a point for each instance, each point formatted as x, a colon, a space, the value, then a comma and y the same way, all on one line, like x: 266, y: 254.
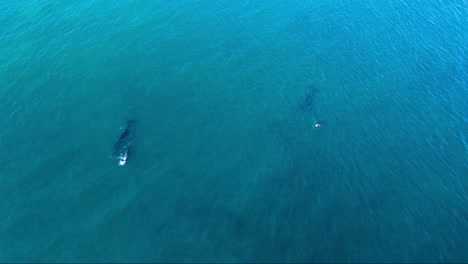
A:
x: 226, y: 165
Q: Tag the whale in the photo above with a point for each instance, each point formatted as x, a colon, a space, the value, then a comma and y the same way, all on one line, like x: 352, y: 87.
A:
x: 310, y: 97
x: 122, y: 146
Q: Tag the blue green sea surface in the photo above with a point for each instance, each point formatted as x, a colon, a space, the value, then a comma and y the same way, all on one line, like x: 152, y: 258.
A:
x: 225, y: 163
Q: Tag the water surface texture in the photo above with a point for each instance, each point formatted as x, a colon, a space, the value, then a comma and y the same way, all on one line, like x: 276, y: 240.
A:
x: 225, y: 163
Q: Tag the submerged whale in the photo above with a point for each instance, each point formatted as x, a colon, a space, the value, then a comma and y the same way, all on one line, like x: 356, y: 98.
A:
x: 309, y: 100
x: 122, y: 146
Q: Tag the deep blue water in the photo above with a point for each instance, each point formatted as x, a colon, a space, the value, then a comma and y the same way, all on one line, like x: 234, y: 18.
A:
x: 226, y: 165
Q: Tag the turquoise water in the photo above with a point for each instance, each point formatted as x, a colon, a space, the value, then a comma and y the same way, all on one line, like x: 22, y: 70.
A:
x: 226, y: 165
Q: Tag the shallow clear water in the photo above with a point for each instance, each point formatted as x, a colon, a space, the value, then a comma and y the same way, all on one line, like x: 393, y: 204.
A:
x: 226, y: 165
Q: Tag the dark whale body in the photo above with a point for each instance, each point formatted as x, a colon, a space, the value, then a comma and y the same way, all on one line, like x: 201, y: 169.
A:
x: 311, y: 95
x: 122, y: 146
